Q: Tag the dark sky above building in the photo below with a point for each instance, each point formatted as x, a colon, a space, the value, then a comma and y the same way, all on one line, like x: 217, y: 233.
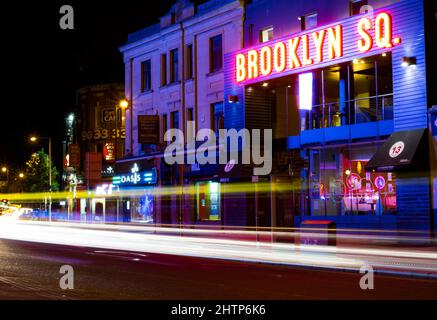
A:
x: 44, y: 65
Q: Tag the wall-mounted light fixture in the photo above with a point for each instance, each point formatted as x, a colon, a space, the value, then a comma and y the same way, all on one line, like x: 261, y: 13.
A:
x: 233, y: 99
x: 408, y: 61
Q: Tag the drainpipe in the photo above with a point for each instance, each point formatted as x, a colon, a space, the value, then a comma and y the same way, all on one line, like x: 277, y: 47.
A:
x: 184, y: 127
x: 131, y: 108
x: 243, y: 21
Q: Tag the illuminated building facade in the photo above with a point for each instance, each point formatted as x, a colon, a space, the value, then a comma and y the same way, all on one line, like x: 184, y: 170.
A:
x: 99, y: 139
x: 334, y: 81
x: 337, y: 82
x: 175, y: 74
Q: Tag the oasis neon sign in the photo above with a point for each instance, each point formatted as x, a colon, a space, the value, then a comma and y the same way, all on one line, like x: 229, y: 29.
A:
x: 135, y: 177
x: 294, y: 53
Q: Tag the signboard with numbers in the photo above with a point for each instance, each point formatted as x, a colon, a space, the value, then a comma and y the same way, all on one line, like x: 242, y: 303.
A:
x: 103, y: 134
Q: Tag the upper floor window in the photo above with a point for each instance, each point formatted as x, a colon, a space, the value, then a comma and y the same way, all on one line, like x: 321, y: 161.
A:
x: 189, y: 62
x: 174, y: 66
x: 163, y: 69
x: 266, y: 34
x: 164, y: 124
x: 190, y: 114
x: 174, y: 120
x: 355, y: 6
x: 308, y: 21
x: 146, y: 76
x: 217, y: 118
x: 216, y: 53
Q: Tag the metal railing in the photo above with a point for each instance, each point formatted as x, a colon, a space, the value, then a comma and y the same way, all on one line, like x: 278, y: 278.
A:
x: 360, y: 110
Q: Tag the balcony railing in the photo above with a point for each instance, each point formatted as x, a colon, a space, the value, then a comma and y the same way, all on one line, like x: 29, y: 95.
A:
x: 361, y: 110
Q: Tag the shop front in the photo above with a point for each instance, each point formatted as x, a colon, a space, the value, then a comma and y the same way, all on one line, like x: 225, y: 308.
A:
x: 340, y: 184
x: 136, y: 181
x: 336, y: 94
x: 221, y: 193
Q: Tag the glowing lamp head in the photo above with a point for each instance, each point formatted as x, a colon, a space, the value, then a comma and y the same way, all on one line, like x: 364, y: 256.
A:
x: 4, y: 169
x: 21, y: 175
x: 33, y: 139
x: 347, y: 172
x: 408, y: 61
x: 123, y: 104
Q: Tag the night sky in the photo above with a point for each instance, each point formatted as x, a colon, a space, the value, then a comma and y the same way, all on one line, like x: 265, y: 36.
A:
x: 44, y: 65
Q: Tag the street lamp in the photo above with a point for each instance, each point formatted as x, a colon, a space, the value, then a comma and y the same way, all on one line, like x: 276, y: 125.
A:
x: 34, y: 139
x: 122, y: 104
x: 6, y: 170
x: 21, y: 175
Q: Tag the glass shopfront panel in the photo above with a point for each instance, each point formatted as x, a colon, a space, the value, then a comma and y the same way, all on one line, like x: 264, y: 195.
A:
x: 208, y: 201
x: 339, y: 184
x: 143, y: 207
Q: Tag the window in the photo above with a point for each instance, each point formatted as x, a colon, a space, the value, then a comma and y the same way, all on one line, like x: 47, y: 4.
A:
x: 216, y: 53
x: 174, y: 66
x: 341, y: 185
x: 174, y: 120
x: 146, y: 76
x: 189, y: 64
x: 354, y: 92
x: 308, y: 21
x: 190, y: 114
x: 355, y: 6
x: 163, y: 69
x: 217, y: 117
x: 164, y: 125
x: 266, y: 34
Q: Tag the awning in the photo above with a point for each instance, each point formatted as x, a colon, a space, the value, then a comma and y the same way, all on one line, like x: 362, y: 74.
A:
x: 404, y: 150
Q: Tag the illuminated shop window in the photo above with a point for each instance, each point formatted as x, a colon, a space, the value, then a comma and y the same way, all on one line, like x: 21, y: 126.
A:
x: 208, y: 200
x: 358, y: 91
x: 266, y: 34
x: 341, y: 186
x: 143, y: 207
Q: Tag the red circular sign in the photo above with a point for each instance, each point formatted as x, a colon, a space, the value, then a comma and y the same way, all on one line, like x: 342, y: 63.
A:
x: 353, y: 181
x: 379, y: 182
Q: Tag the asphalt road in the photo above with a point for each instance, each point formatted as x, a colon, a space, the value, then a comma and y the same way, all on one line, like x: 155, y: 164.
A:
x: 31, y: 271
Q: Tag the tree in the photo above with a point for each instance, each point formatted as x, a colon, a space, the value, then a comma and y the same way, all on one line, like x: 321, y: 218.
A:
x: 37, y: 173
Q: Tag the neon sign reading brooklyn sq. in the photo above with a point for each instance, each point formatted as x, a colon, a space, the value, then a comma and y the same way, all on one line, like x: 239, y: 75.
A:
x: 284, y: 55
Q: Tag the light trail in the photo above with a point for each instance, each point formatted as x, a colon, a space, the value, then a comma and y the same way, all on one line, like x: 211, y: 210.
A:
x: 165, y: 241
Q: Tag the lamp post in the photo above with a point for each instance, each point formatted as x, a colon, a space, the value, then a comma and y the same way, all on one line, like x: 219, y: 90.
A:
x: 122, y: 104
x: 34, y: 139
x: 6, y: 171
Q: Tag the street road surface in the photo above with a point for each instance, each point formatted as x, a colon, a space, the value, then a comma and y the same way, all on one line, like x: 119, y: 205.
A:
x: 30, y: 270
